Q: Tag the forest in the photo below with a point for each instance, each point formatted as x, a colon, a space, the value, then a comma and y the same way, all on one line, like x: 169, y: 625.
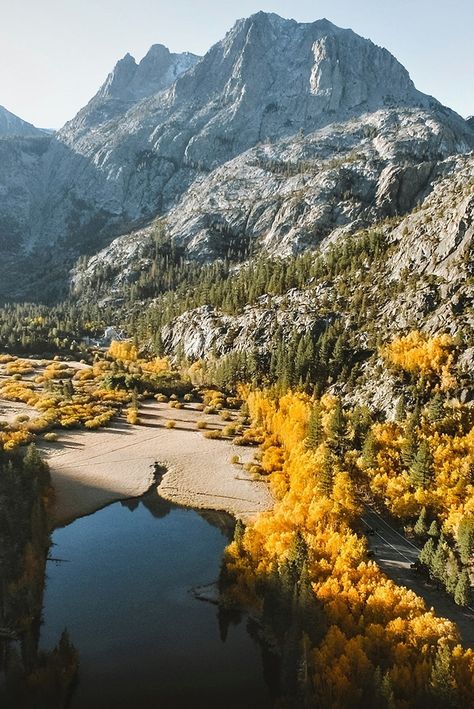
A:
x: 345, y: 634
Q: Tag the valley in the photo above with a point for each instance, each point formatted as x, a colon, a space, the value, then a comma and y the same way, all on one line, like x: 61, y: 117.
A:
x: 236, y: 384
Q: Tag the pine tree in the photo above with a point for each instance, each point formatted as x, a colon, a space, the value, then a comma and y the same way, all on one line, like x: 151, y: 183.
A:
x: 337, y: 426
x: 442, y: 683
x: 440, y: 560
x: 315, y: 428
x: 369, y: 451
x: 436, y: 408
x: 421, y: 469
x: 239, y: 534
x: 466, y: 538
x: 427, y: 553
x: 420, y: 528
x: 400, y: 411
x: 326, y: 479
x: 433, y: 531
x: 452, y: 573
x: 462, y: 592
x: 409, y: 446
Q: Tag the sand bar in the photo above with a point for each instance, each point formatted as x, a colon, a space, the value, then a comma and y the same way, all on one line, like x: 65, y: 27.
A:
x: 90, y: 469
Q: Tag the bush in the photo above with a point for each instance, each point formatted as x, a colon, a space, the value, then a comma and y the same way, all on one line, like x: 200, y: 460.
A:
x: 51, y: 436
x: 170, y: 424
x: 235, y: 460
x: 132, y: 416
x: 240, y: 441
x: 201, y: 424
x: 230, y: 430
x: 214, y: 434
x: 22, y: 418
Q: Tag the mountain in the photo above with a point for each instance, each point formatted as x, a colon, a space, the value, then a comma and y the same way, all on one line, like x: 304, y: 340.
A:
x: 22, y: 147
x: 128, y: 84
x: 12, y: 126
x: 283, y: 135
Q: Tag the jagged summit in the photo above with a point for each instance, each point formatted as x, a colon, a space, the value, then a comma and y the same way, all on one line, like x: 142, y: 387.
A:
x: 207, y: 142
x: 11, y: 125
x: 130, y: 82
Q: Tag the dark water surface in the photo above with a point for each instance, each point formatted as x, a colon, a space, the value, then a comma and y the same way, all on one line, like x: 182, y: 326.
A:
x: 143, y: 639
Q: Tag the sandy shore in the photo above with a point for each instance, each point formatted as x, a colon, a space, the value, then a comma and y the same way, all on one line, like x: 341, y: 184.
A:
x: 93, y: 468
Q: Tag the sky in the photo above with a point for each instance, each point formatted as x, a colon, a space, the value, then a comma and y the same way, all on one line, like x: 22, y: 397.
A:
x: 56, y: 53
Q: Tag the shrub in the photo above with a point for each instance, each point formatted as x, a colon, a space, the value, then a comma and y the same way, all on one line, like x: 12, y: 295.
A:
x: 201, y: 424
x: 132, y: 416
x: 240, y: 441
x: 230, y: 430
x: 214, y: 434
x: 235, y: 460
x: 51, y: 436
x: 170, y: 424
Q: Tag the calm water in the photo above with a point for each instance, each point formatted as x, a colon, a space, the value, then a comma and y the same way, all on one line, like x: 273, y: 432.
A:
x: 143, y: 639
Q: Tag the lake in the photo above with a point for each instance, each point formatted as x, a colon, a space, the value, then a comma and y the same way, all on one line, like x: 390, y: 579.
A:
x: 124, y: 594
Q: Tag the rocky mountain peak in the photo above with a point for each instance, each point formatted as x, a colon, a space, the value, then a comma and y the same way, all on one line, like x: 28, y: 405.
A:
x: 132, y: 82
x: 13, y: 126
x: 283, y: 134
x: 291, y: 76
x: 129, y: 83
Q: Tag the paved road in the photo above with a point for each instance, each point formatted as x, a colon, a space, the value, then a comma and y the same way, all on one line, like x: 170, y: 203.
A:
x: 394, y: 554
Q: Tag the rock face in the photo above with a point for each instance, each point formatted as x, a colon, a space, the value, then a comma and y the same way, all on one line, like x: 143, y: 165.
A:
x: 127, y: 85
x: 283, y: 134
x: 11, y: 125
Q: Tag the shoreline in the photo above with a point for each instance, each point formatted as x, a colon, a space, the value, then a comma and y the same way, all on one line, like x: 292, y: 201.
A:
x: 91, y: 469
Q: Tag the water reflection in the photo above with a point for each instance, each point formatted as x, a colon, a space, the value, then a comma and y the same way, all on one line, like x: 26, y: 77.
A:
x: 126, y: 599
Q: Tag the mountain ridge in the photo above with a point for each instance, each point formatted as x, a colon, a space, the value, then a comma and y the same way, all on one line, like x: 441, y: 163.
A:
x: 13, y: 126
x: 126, y: 159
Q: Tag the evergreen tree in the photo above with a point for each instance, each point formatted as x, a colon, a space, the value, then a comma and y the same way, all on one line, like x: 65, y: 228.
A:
x: 337, y: 426
x: 433, y: 531
x: 462, y: 592
x: 452, y: 573
x: 440, y: 560
x: 409, y: 446
x: 326, y: 479
x: 400, y: 411
x: 239, y: 534
x: 369, y: 451
x: 436, y: 408
x: 421, y: 528
x: 466, y: 538
x: 421, y: 469
x: 315, y: 428
x: 442, y: 683
x: 427, y: 553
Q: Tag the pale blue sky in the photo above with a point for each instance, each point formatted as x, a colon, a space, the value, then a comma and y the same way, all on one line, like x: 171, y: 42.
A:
x: 54, y: 54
